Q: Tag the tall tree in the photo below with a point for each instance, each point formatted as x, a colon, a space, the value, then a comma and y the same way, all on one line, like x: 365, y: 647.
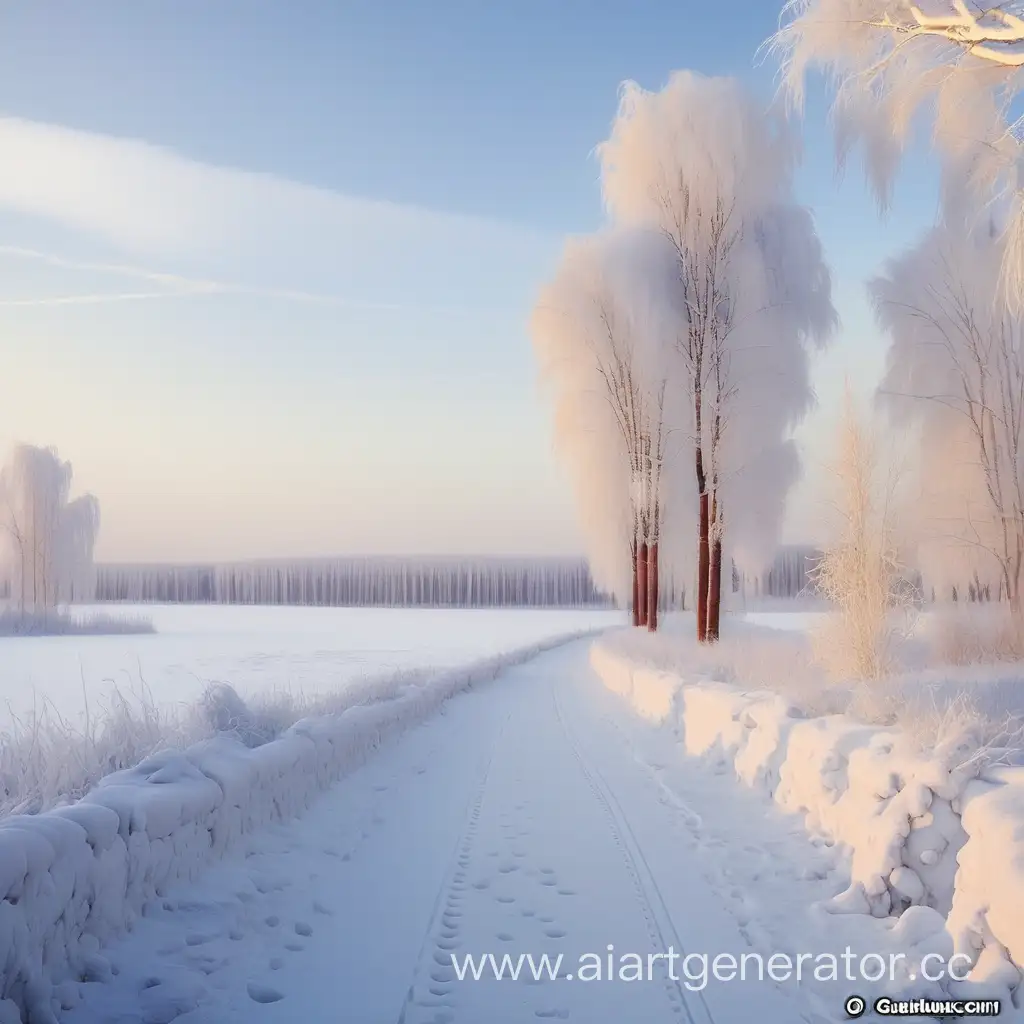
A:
x: 597, y: 328
x: 956, y: 374
x: 701, y: 164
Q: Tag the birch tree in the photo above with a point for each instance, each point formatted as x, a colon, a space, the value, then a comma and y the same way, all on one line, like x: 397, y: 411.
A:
x: 956, y: 374
x: 957, y: 62
x: 701, y: 163
x: 597, y: 329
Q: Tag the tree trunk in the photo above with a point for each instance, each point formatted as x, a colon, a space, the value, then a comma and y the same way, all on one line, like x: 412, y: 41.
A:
x: 652, y: 588
x: 703, y: 570
x: 715, y: 592
x: 641, y: 567
x: 636, y: 583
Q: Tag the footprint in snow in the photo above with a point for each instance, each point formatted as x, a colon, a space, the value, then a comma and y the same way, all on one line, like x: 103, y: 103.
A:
x: 260, y: 993
x: 303, y: 929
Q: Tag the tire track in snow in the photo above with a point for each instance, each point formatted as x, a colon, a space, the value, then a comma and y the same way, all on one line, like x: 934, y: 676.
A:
x: 660, y: 924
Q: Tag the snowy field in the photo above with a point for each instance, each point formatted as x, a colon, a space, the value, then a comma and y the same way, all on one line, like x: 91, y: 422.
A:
x: 261, y: 650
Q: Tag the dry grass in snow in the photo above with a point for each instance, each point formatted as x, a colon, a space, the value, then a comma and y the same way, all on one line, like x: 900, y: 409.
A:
x: 970, y: 711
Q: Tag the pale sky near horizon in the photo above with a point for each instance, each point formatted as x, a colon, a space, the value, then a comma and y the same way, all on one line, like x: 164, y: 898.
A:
x: 267, y: 267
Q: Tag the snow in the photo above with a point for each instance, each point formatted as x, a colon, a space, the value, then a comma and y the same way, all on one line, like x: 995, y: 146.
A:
x: 530, y: 816
x: 990, y: 885
x: 534, y: 815
x: 261, y: 650
x: 336, y: 869
x: 78, y: 876
x: 920, y: 827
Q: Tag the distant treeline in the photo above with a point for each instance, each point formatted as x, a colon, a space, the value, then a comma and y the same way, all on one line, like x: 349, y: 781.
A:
x: 788, y: 576
x: 358, y: 582
x: 408, y: 582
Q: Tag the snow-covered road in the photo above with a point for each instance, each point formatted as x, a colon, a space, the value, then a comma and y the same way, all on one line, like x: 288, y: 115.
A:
x: 533, y: 815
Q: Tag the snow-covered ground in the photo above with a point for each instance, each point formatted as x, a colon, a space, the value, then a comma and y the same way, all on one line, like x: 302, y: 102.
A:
x: 533, y: 815
x: 261, y: 649
x: 538, y: 814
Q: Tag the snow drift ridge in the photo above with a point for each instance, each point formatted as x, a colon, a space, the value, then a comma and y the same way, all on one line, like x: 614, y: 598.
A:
x: 918, y: 831
x: 75, y: 877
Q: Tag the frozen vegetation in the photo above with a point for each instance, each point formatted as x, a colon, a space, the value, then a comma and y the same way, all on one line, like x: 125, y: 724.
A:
x: 75, y: 708
x: 46, y: 550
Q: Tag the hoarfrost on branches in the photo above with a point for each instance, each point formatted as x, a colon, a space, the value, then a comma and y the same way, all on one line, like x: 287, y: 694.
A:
x: 859, y: 573
x: 957, y: 62
x: 701, y: 164
x: 956, y: 376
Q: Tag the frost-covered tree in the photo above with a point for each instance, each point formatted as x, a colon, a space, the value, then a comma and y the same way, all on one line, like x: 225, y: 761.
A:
x: 956, y: 374
x: 598, y: 329
x: 858, y: 572
x: 701, y: 164
x: 958, y: 62
x: 47, y: 538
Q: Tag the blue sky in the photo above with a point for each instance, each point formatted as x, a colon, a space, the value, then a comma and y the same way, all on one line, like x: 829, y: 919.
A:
x: 266, y: 267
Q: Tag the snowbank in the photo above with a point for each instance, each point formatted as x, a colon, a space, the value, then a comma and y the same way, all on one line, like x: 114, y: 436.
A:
x: 920, y: 829
x: 73, y: 878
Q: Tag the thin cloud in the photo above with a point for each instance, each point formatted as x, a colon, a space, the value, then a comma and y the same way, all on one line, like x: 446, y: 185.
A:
x: 276, y: 237
x: 179, y: 286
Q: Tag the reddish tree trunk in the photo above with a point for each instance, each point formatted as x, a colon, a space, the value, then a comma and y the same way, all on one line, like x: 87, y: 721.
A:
x: 715, y: 592
x: 703, y: 569
x: 652, y: 588
x: 636, y: 584
x: 641, y: 569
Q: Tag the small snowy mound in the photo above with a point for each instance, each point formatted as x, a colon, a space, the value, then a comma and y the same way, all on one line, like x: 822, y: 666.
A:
x: 226, y: 712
